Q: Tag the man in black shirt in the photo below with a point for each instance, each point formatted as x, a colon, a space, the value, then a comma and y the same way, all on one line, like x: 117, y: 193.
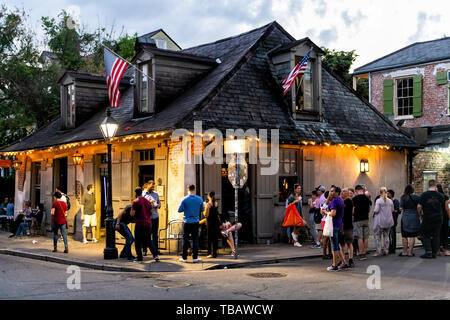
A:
x: 431, y: 207
x: 121, y: 224
x: 361, y: 208
x: 395, y: 214
x: 347, y: 237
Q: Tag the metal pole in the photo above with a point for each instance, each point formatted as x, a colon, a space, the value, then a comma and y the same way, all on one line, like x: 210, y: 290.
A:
x: 110, y: 251
x: 236, y: 188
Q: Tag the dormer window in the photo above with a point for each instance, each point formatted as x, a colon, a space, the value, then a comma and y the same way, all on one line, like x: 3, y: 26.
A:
x: 69, y: 104
x: 145, y: 89
x: 161, y: 44
x: 304, y: 88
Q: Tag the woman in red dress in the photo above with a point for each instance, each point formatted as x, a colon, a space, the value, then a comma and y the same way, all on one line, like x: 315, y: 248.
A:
x: 59, y: 212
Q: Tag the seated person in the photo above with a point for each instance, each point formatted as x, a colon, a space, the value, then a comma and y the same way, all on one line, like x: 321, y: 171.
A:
x: 227, y: 229
x: 36, y: 215
x: 22, y: 222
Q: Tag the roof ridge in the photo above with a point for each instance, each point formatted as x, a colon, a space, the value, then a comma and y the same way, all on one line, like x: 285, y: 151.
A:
x: 399, y: 50
x: 229, y: 38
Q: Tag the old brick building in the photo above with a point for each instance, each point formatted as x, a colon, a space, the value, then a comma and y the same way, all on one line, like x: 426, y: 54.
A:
x: 411, y: 87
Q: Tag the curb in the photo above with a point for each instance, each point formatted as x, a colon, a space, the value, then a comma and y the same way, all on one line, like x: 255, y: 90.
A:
x: 81, y: 264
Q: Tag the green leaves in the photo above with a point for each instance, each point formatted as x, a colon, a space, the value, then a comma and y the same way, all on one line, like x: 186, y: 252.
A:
x: 340, y: 62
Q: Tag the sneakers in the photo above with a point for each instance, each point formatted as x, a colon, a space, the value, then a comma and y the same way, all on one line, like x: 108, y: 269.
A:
x: 427, y: 256
x: 94, y: 240
x: 85, y: 241
x: 294, y: 236
x: 362, y: 257
x: 156, y: 259
x: 182, y: 260
x: 332, y: 268
x: 297, y: 244
x: 351, y: 264
x: 66, y: 250
x: 138, y: 260
x: 225, y: 233
x: 343, y: 267
x: 233, y: 253
x: 376, y: 254
x: 197, y: 260
x: 209, y: 256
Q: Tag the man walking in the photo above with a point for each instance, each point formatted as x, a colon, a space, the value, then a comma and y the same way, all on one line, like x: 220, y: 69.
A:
x: 361, y: 208
x: 141, y: 210
x: 192, y: 206
x: 88, y: 215
x: 120, y: 224
x: 431, y: 207
x: 395, y: 214
x: 152, y: 196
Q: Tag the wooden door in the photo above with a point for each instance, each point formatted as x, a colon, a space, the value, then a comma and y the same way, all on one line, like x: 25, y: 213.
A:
x: 266, y: 192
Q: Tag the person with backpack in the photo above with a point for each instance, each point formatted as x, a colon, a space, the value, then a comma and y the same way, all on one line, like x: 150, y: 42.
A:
x: 383, y: 222
x: 410, y: 223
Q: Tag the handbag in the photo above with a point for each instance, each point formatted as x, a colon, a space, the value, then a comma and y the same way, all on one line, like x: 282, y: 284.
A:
x: 328, y: 228
x: 292, y: 218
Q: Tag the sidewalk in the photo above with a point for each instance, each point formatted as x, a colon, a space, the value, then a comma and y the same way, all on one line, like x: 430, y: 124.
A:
x: 91, y: 255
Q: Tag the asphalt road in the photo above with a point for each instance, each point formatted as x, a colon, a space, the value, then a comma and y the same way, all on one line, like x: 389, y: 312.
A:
x: 399, y: 278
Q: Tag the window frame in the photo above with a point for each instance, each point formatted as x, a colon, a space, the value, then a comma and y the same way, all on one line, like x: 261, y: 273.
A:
x: 69, y: 91
x: 310, y: 66
x: 291, y: 175
x: 404, y: 117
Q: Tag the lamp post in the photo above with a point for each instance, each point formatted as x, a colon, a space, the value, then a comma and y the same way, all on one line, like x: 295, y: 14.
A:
x: 237, y: 174
x: 109, y: 128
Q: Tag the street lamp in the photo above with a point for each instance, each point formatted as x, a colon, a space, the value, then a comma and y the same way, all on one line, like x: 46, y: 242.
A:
x: 237, y: 174
x: 109, y: 128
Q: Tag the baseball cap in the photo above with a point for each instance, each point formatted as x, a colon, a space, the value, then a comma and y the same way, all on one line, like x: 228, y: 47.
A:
x: 321, y: 188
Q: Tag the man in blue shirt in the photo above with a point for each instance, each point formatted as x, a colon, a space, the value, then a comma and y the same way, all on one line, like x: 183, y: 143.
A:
x: 192, y: 206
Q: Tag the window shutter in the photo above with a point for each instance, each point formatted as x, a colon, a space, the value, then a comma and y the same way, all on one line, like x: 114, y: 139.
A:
x: 417, y: 96
x: 388, y: 96
x: 441, y: 78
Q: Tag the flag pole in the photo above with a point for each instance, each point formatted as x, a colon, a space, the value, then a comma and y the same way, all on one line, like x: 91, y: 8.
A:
x: 128, y: 63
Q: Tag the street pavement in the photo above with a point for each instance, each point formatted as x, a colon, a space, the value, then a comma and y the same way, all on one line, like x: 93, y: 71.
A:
x: 91, y: 255
x: 400, y: 278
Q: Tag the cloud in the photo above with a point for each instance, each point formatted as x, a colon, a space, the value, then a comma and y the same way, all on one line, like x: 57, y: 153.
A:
x: 321, y: 9
x: 326, y: 37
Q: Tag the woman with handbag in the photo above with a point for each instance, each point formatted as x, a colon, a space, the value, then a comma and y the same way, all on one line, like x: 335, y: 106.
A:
x: 296, y: 199
x: 410, y: 225
x: 59, y: 213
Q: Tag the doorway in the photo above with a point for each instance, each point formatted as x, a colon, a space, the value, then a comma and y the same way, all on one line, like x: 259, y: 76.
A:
x: 146, y: 173
x: 60, y: 174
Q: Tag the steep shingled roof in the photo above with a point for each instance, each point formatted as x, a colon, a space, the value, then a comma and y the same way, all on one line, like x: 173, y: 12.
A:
x: 241, y: 92
x: 416, y: 53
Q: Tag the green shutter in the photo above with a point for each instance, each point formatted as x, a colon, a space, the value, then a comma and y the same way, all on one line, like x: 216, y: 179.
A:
x: 441, y: 78
x: 388, y: 96
x: 417, y: 96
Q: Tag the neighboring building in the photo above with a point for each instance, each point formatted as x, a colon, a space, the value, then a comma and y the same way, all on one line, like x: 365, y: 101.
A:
x: 326, y: 131
x: 162, y: 40
x: 411, y: 86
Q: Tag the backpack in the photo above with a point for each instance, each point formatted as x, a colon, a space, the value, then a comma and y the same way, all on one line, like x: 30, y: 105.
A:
x: 317, y: 216
x: 67, y: 202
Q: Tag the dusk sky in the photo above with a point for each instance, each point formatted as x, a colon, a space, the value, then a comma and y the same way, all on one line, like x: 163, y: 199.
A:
x: 372, y: 28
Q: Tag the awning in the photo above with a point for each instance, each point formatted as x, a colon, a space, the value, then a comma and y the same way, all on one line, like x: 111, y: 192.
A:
x: 6, y: 163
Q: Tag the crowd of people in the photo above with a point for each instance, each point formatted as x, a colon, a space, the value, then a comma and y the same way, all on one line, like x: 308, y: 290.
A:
x: 425, y: 217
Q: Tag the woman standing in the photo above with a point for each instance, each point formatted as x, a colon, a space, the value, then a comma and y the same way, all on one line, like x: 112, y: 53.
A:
x: 213, y: 225
x: 410, y: 224
x: 383, y: 222
x: 296, y: 199
x: 59, y: 213
x: 444, y: 229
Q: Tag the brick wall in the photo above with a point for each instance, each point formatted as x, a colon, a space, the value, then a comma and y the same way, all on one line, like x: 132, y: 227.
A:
x: 434, y: 97
x: 431, y: 161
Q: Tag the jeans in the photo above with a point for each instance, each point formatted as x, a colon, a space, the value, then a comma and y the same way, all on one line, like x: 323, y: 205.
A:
x: 142, y: 234
x: 190, y: 232
x: 22, y: 229
x: 431, y: 243
x: 382, y: 245
x: 313, y: 226
x: 335, y: 239
x: 129, y: 239
x: 393, y: 240
x: 55, y: 228
x: 155, y: 229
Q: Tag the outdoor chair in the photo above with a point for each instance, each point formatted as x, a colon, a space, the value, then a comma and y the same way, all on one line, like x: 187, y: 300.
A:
x: 173, y: 232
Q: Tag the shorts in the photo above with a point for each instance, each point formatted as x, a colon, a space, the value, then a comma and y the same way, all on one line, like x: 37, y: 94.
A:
x: 319, y: 226
x: 363, y: 229
x: 335, y: 239
x: 90, y: 220
x: 346, y: 237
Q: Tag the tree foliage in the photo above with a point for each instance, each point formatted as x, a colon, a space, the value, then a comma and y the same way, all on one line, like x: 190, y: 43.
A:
x: 29, y: 92
x: 340, y: 62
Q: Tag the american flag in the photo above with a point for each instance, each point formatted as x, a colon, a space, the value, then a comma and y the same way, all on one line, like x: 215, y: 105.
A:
x: 299, y: 69
x: 115, y: 67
